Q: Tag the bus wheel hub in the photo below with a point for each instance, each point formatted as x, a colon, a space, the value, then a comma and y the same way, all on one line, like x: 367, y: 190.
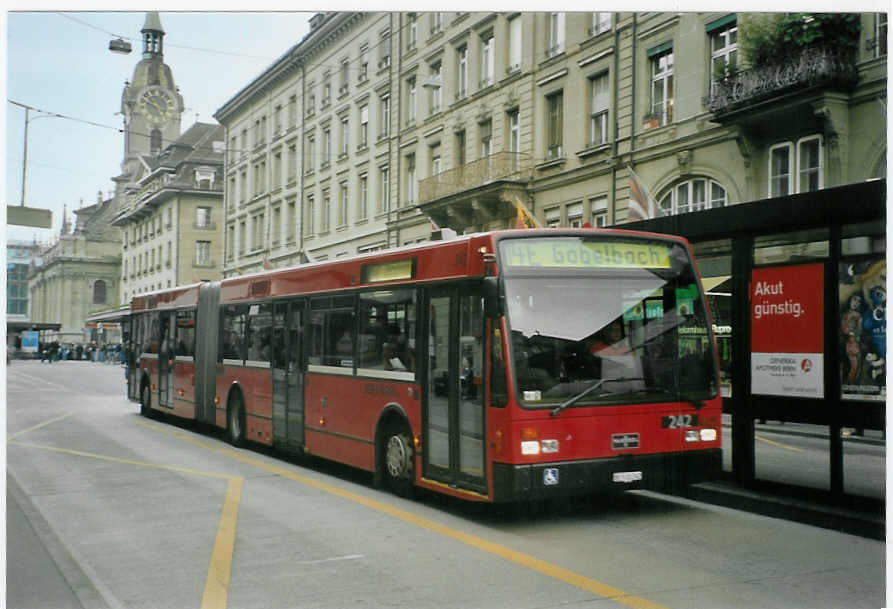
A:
x: 397, y: 457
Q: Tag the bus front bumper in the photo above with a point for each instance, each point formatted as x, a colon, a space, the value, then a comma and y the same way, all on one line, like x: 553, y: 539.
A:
x: 628, y: 472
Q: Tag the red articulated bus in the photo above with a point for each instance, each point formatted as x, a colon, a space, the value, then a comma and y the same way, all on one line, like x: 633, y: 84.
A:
x: 502, y: 366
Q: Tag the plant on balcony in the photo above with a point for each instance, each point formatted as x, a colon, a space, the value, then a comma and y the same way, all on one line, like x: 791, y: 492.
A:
x: 785, y: 52
x: 774, y: 37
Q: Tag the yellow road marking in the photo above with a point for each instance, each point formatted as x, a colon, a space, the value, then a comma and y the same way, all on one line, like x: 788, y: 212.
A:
x: 217, y: 582
x: 541, y: 566
x: 13, y: 436
x: 779, y: 444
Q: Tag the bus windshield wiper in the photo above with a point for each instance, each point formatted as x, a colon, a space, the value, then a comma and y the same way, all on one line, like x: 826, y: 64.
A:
x: 573, y: 400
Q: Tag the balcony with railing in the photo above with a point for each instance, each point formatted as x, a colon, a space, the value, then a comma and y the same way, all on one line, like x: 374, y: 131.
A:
x: 475, y: 192
x: 813, y: 67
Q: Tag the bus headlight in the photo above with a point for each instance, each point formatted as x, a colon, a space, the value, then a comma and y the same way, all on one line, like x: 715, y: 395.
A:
x: 691, y: 435
x: 530, y: 447
x: 708, y: 435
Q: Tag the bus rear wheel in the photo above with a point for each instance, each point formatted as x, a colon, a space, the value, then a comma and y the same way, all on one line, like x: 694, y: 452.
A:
x: 399, y: 459
x: 146, y: 401
x: 235, y: 416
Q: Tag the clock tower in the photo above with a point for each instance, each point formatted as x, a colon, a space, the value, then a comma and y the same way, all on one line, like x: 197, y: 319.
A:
x: 151, y: 104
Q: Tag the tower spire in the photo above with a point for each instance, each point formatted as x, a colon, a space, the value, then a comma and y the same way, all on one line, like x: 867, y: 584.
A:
x: 153, y: 36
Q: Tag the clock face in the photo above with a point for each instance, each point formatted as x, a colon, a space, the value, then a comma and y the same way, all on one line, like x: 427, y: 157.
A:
x: 157, y: 105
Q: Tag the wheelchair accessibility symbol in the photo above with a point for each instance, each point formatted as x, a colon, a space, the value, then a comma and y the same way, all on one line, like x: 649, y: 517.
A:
x: 550, y: 476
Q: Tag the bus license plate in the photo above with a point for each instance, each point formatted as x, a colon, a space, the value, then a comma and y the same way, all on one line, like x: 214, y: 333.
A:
x: 627, y: 477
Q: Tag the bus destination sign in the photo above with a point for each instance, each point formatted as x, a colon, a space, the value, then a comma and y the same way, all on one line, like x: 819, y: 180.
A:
x: 564, y: 252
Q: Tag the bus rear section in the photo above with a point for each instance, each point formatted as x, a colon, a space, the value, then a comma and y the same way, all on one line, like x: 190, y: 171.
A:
x: 612, y: 373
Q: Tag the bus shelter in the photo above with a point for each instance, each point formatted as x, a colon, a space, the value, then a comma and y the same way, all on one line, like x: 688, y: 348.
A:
x: 797, y: 287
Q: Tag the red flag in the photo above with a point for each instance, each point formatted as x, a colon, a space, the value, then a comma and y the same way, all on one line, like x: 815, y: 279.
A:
x: 524, y: 219
x: 641, y: 206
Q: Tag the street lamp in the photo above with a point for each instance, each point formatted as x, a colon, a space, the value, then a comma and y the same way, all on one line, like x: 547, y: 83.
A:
x: 28, y: 120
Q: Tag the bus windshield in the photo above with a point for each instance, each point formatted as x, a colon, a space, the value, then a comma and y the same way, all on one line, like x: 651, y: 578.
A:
x: 603, y: 320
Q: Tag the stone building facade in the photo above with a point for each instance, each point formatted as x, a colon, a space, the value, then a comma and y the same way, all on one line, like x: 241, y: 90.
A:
x: 376, y: 125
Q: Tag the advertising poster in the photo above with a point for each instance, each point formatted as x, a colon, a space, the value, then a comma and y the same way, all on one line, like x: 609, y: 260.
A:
x: 29, y: 341
x: 862, y: 332
x: 787, y: 342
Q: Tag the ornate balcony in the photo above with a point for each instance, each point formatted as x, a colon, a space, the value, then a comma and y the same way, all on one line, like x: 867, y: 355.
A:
x: 476, y: 192
x: 820, y: 66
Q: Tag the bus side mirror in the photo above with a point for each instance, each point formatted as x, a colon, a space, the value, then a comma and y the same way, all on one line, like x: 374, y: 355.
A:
x: 492, y: 299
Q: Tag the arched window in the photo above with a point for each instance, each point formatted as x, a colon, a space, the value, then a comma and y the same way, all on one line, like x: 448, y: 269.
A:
x: 695, y: 194
x: 155, y: 141
x: 99, y: 292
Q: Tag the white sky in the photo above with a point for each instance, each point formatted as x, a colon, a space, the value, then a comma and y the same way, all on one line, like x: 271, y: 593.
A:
x: 63, y: 66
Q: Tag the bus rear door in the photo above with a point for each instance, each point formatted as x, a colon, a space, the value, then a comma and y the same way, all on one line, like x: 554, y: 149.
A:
x: 288, y: 374
x: 165, y: 359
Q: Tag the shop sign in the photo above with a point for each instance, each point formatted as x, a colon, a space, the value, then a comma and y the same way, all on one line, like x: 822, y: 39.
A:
x: 787, y: 339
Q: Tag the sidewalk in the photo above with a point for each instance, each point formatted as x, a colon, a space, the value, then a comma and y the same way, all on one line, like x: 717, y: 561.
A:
x: 861, y: 516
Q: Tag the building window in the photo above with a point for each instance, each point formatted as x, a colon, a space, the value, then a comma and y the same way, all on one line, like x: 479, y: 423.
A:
x: 460, y: 148
x: 412, y: 34
x: 435, y: 159
x: 780, y: 169
x: 599, y: 210
x: 277, y: 171
x: 553, y: 217
x: 880, y: 34
x: 259, y: 237
x: 363, y: 199
x: 326, y: 147
x: 436, y: 86
x: 662, y: 86
x: 325, y: 212
x: 326, y: 89
x: 342, y: 90
x: 486, y: 128
x: 311, y: 154
x: 202, y: 253
x: 230, y: 242
x: 384, y: 126
x: 436, y: 23
x: 203, y: 217
x: 292, y: 111
x: 384, y: 49
x: 809, y: 164
x: 384, y: 185
x: 723, y: 52
x: 601, y: 23
x: 693, y: 195
x: 363, y: 75
x: 410, y: 101
x: 292, y: 163
x: 345, y: 136
x: 514, y: 44
x: 598, y: 114
x: 487, y: 60
x: 554, y: 125
x: 363, y: 139
x: 575, y: 215
x: 290, y: 221
x: 243, y: 237
x: 277, y: 120
x: 276, y: 226
x: 310, y: 222
x: 556, y: 35
x: 462, y: 72
x: 343, y: 203
x: 411, y: 182
x: 99, y: 295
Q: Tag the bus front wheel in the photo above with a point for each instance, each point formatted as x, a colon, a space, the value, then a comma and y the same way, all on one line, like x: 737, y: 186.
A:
x: 399, y: 472
x: 235, y: 428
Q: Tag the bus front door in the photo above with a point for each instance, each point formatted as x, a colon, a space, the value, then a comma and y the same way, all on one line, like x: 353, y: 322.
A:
x: 453, y: 408
x: 288, y: 375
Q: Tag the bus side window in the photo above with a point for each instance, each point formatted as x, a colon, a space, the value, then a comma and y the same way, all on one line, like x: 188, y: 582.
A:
x: 498, y: 386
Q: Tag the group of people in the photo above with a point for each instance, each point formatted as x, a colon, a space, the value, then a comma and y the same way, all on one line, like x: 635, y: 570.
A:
x: 54, y: 351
